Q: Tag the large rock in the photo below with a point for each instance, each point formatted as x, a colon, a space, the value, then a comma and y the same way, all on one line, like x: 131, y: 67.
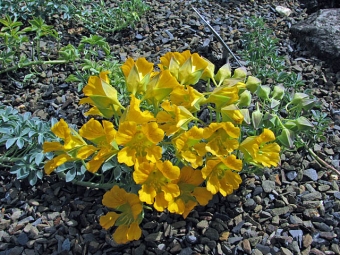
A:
x: 314, y: 5
x: 320, y: 32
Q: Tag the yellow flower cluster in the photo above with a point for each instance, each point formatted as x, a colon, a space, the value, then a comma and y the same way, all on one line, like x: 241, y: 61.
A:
x: 162, y: 113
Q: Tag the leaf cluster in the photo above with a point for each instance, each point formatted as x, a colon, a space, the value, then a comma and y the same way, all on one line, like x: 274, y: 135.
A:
x: 33, y: 8
x: 21, y: 139
x: 94, y: 15
x: 295, y: 111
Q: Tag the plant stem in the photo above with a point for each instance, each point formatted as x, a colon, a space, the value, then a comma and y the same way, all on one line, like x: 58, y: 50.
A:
x: 317, y: 158
x: 93, y: 185
x: 32, y: 63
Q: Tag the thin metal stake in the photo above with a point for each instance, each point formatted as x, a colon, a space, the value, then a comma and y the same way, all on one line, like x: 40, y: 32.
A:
x: 219, y: 38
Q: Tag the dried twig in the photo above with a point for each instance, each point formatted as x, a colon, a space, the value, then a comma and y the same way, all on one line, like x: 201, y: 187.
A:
x: 219, y: 38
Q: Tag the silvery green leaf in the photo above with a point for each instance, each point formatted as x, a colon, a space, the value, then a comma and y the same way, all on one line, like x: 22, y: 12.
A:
x: 39, y: 174
x: 10, y: 142
x: 20, y: 142
x: 39, y: 158
x: 32, y: 178
x: 117, y: 173
x: 107, y: 166
x: 71, y: 174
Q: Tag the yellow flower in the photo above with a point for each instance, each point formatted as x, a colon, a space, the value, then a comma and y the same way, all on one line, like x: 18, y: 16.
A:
x: 102, y: 96
x: 220, y: 177
x: 188, y: 97
x: 189, y: 146
x: 186, y: 67
x: 139, y: 141
x: 160, y: 87
x: 133, y: 113
x: 209, y: 71
x: 173, y: 118
x: 155, y: 178
x: 137, y: 74
x: 232, y: 113
x: 190, y: 192
x: 257, y: 150
x: 223, y: 96
x: 222, y: 139
x: 73, y: 147
x: 129, y: 218
x: 103, y: 136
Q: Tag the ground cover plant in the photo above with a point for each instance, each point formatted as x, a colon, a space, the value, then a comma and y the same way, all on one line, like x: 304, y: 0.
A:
x: 154, y: 137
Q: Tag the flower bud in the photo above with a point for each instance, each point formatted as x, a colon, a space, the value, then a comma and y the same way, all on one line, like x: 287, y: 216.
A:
x: 240, y: 73
x: 246, y: 116
x: 274, y: 103
x: 278, y: 92
x: 303, y: 123
x: 223, y: 73
x: 256, y: 118
x: 263, y: 92
x: 245, y: 99
x: 287, y: 138
x: 252, y: 83
x: 298, y: 97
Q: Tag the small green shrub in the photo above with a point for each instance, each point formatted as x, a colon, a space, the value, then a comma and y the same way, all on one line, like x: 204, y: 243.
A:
x: 21, y: 140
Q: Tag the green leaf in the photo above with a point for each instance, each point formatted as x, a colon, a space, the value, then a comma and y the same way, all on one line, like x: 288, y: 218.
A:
x: 10, y: 142
x: 32, y: 178
x: 117, y: 172
x: 71, y: 174
x: 39, y: 158
x: 20, y: 142
x: 107, y: 166
x: 72, y: 78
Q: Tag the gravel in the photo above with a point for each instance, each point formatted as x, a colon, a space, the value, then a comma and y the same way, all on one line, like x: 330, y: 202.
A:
x: 293, y: 209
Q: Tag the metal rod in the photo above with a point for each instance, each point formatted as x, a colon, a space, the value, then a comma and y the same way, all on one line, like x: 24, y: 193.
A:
x: 219, y: 38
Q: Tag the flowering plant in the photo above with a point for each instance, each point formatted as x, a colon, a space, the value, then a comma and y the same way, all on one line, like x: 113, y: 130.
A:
x: 182, y: 143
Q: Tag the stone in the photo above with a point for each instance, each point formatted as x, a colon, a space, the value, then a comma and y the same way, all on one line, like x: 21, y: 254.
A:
x: 311, y: 174
x: 212, y: 234
x: 22, y: 238
x: 311, y: 196
x: 268, y: 186
x: 284, y: 11
x: 280, y: 210
x: 322, y: 226
x: 328, y: 235
x: 15, y: 251
x: 186, y: 251
x: 285, y: 251
x: 140, y: 249
x: 314, y: 5
x: 320, y: 32
x: 307, y: 240
x: 202, y: 224
x: 246, y: 246
x: 154, y: 237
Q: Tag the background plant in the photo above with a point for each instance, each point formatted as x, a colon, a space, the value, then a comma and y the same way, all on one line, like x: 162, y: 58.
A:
x: 92, y: 55
x: 96, y: 16
x: 261, y: 53
x: 108, y: 17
